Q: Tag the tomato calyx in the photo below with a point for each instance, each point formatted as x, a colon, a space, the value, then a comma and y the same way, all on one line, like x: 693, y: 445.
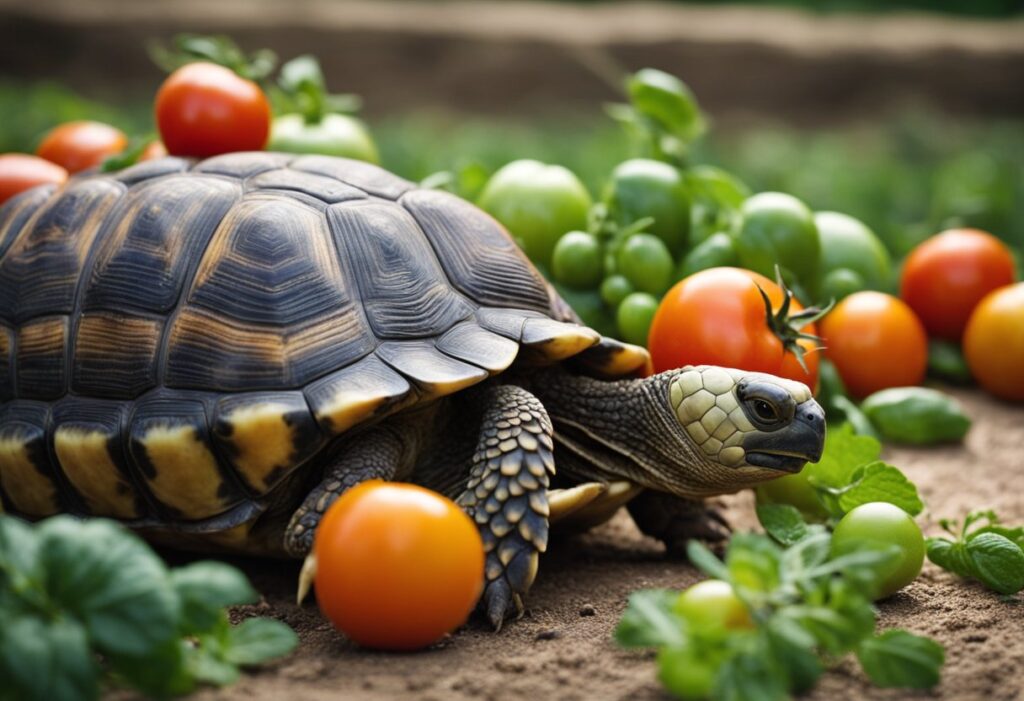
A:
x: 193, y: 48
x: 787, y: 326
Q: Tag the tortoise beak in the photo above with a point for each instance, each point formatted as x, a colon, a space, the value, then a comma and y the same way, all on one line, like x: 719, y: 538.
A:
x: 788, y: 449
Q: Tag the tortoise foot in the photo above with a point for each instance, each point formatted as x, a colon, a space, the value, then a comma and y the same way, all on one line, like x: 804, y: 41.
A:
x: 675, y: 521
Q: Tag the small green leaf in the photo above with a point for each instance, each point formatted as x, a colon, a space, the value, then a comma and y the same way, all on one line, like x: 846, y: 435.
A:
x: 207, y: 666
x: 878, y: 481
x: 753, y: 562
x: 1014, y: 534
x: 948, y: 555
x: 795, y: 652
x: 704, y: 560
x: 649, y: 620
x: 844, y: 452
x: 110, y: 580
x: 162, y: 673
x: 18, y: 547
x: 46, y: 660
x: 897, y: 658
x: 256, y: 640
x: 997, y: 562
x: 205, y: 588
x: 782, y: 522
x: 750, y: 676
x: 916, y: 415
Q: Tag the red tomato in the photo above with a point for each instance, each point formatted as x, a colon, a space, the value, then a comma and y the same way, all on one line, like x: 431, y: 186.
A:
x: 946, y: 276
x: 20, y: 171
x: 994, y: 342
x: 203, y: 109
x: 717, y: 317
x: 398, y: 566
x: 79, y: 145
x: 875, y: 342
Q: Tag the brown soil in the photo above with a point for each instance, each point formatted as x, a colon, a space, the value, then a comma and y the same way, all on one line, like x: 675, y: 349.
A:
x: 557, y: 651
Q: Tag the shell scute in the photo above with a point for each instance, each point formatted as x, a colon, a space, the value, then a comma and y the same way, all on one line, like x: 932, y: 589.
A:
x: 27, y: 476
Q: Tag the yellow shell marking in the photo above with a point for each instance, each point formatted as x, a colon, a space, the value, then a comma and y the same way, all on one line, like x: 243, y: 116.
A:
x: 347, y: 408
x: 263, y: 441
x: 86, y: 461
x: 186, y: 471
x: 31, y: 492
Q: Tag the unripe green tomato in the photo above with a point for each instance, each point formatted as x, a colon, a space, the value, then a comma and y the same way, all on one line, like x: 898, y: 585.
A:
x: 634, y: 317
x: 712, y: 604
x: 334, y: 135
x: 537, y: 203
x: 614, y: 289
x: 796, y: 491
x: 777, y: 228
x: 879, y: 524
x: 716, y: 251
x: 646, y: 188
x: 577, y: 261
x: 646, y: 263
x: 848, y: 243
x: 840, y: 283
x: 685, y: 674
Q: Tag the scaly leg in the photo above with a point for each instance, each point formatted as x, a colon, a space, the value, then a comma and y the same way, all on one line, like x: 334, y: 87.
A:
x: 674, y: 520
x: 507, y: 494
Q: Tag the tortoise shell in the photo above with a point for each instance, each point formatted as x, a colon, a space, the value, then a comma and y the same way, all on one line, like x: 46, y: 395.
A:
x: 177, y: 338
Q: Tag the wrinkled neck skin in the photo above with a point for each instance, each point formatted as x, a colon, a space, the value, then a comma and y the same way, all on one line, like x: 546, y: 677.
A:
x: 627, y: 430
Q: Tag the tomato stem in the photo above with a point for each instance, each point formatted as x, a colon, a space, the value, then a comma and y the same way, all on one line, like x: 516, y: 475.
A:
x: 787, y: 326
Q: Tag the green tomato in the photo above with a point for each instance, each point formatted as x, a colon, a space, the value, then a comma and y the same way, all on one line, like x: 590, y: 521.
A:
x: 716, y: 251
x: 879, y: 524
x: 614, y: 289
x: 645, y: 188
x: 713, y: 605
x: 686, y: 673
x: 846, y: 243
x: 646, y: 263
x: 577, y: 260
x: 634, y: 317
x: 334, y: 135
x: 537, y: 203
x: 776, y: 228
x: 796, y: 491
x: 841, y: 283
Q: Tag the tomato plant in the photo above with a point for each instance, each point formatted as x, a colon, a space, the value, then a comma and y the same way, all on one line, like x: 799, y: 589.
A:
x: 398, y: 566
x: 718, y: 317
x: 994, y: 342
x: 203, y: 109
x: 880, y: 524
x: 76, y: 146
x: 875, y: 342
x: 946, y: 276
x: 712, y: 603
x: 20, y: 172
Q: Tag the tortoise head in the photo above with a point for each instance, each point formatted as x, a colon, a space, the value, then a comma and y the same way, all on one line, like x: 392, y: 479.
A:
x: 746, y: 427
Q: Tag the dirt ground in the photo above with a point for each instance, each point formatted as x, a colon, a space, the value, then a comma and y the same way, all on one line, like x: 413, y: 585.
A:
x: 557, y: 651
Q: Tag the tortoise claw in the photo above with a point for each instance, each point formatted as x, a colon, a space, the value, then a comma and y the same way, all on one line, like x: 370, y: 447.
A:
x: 306, y: 577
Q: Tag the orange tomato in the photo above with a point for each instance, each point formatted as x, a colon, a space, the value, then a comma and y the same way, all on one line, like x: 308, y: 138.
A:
x: 20, y: 172
x: 717, y: 317
x: 994, y: 342
x: 154, y: 149
x: 875, y: 342
x: 203, y: 109
x: 76, y: 146
x: 398, y: 566
x: 945, y: 277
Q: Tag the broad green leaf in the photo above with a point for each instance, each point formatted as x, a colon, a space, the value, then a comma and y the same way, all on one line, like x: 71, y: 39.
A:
x: 666, y: 100
x: 162, y: 673
x: 833, y: 631
x: 18, y: 547
x: 808, y: 553
x: 997, y: 562
x: 844, y: 452
x: 208, y: 667
x: 782, y: 522
x: 649, y: 620
x: 205, y: 588
x: 40, y: 661
x: 795, y: 652
x: 704, y: 560
x: 256, y: 640
x: 878, y: 481
x: 111, y: 581
x: 750, y: 676
x: 1014, y: 534
x: 949, y: 555
x: 897, y: 658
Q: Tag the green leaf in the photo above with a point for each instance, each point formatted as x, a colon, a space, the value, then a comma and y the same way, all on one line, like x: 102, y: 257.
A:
x: 207, y: 666
x: 704, y: 560
x: 753, y: 562
x: 256, y: 640
x: 665, y: 100
x: 897, y: 658
x: 795, y: 652
x: 807, y: 554
x: 879, y: 481
x: 997, y: 562
x: 782, y: 522
x: 162, y: 673
x: 41, y: 660
x: 844, y: 452
x: 18, y: 547
x: 1014, y: 534
x: 205, y: 588
x: 111, y: 581
x: 948, y: 555
x: 650, y: 621
x: 750, y: 676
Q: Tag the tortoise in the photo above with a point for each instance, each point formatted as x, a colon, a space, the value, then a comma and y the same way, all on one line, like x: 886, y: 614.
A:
x: 213, y: 351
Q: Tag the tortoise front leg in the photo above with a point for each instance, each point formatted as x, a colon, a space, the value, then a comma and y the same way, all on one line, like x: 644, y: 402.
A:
x: 675, y: 520
x: 507, y: 495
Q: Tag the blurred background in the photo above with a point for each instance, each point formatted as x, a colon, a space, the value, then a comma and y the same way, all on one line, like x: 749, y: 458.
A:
x: 906, y: 114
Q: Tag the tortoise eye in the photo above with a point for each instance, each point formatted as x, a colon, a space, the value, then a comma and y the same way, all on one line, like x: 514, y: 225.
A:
x: 765, y: 411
